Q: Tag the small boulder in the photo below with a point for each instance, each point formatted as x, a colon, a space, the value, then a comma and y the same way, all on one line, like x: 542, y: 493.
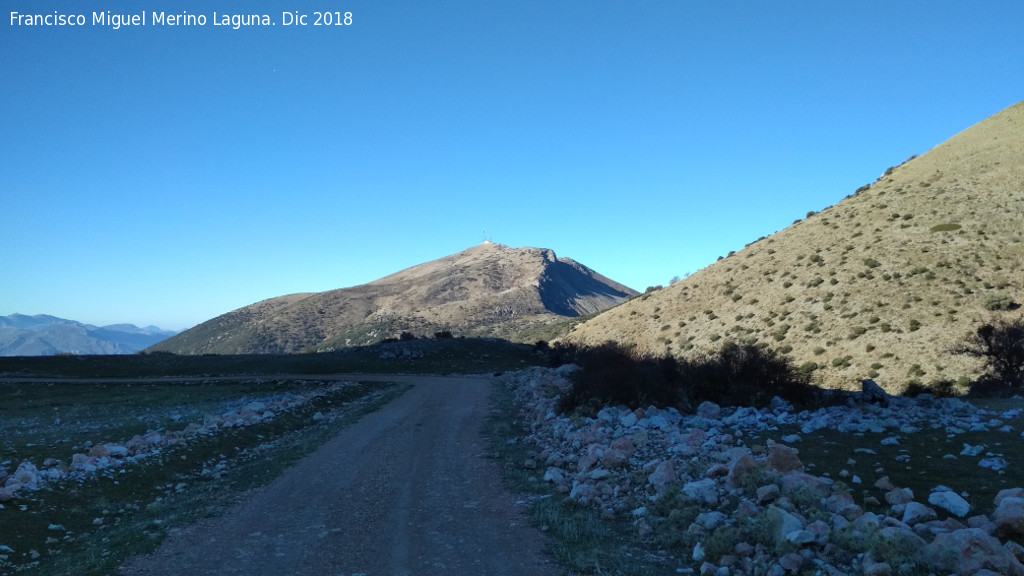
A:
x: 766, y: 494
x: 705, y: 491
x: 967, y: 552
x: 1009, y: 518
x: 1008, y: 493
x: 663, y: 475
x: 898, y: 496
x: 915, y: 513
x: 742, y: 470
x: 951, y: 502
x: 783, y: 458
x: 709, y: 410
x: 99, y: 451
x: 614, y: 458
x: 27, y: 475
x: 871, y: 392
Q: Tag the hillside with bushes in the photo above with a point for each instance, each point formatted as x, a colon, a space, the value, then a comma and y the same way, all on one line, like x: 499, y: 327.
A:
x: 886, y: 284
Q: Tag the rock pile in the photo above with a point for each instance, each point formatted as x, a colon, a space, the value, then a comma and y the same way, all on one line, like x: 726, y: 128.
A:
x: 106, y: 457
x: 694, y: 482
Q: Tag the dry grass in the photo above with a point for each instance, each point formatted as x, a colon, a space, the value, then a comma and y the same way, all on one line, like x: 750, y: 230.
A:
x: 883, y: 284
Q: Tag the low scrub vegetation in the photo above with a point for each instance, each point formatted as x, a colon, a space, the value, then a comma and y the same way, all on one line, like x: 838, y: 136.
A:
x: 748, y: 375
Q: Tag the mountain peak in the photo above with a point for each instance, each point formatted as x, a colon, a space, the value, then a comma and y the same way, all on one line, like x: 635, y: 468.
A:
x: 486, y: 290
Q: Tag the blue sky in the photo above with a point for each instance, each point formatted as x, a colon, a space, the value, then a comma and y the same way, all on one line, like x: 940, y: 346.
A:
x: 166, y: 175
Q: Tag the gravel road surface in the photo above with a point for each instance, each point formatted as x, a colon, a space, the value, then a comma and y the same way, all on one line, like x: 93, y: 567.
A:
x: 405, y: 491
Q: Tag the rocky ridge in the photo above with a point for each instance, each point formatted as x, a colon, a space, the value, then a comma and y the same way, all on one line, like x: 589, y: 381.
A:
x: 740, y: 508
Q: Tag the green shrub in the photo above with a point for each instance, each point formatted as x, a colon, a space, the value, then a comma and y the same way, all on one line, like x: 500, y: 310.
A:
x: 872, y: 263
x: 996, y: 302
x: 945, y: 227
x: 808, y: 367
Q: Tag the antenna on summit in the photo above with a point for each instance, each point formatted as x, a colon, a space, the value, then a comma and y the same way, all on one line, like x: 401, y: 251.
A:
x: 486, y: 239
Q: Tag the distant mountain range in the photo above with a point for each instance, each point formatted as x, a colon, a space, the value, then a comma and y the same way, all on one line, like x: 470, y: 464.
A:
x: 489, y: 290
x: 44, y: 335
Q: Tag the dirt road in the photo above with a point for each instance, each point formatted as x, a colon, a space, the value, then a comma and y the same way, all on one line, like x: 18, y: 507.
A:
x: 405, y: 491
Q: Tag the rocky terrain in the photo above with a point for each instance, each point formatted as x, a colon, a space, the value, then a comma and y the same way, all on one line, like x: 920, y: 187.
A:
x: 715, y: 495
x: 107, y: 458
x: 489, y: 290
x: 881, y: 285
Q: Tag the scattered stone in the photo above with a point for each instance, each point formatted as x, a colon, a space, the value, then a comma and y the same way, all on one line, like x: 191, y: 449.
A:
x: 951, y: 502
x: 713, y: 446
x: 27, y: 476
x: 1008, y: 493
x: 709, y: 411
x: 742, y: 470
x: 705, y: 491
x: 663, y: 475
x: 915, y: 513
x: 967, y: 552
x: 783, y: 458
x: 994, y: 463
x: 766, y: 494
x: 884, y: 483
x: 898, y: 496
x: 871, y: 392
x: 1009, y: 518
x: 554, y: 475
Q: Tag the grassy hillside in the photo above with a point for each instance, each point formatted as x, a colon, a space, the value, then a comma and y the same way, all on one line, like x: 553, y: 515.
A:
x: 883, y: 284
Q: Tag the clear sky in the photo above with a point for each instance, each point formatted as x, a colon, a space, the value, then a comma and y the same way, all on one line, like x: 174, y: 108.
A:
x: 166, y: 175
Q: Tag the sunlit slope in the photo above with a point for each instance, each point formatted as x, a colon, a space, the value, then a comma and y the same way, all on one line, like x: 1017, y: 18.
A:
x: 883, y: 284
x: 487, y: 290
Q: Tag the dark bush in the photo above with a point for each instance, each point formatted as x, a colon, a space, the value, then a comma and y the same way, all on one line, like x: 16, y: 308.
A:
x: 738, y: 375
x: 406, y: 336
x: 610, y: 375
x: 443, y: 334
x: 562, y: 353
x: 747, y: 375
x: 1001, y: 347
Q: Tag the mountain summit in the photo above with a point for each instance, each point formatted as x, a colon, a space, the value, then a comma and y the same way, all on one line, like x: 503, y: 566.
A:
x: 487, y: 290
x: 882, y: 285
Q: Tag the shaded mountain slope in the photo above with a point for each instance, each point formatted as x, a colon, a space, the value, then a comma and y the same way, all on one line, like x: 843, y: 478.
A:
x: 884, y: 284
x: 487, y: 290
